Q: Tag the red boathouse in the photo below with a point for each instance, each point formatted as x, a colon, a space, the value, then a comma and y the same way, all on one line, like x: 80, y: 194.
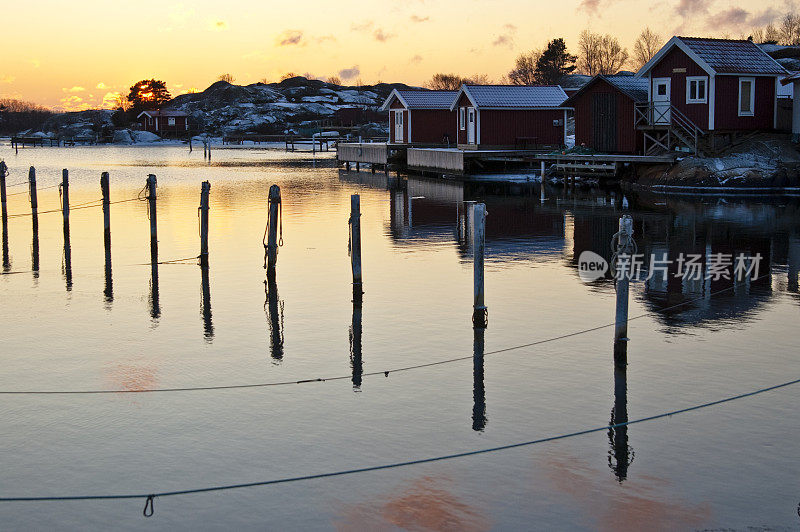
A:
x: 164, y: 123
x: 510, y: 116
x: 421, y: 117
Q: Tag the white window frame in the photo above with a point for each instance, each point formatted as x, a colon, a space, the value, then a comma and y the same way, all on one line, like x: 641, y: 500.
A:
x: 462, y: 118
x: 696, y: 79
x: 171, y: 121
x: 752, y: 111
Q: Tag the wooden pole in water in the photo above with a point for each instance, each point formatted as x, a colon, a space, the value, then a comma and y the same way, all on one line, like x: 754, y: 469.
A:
x: 34, y: 220
x: 480, y: 317
x: 64, y: 191
x: 542, y: 191
x: 151, y: 198
x: 205, y: 190
x: 623, y: 274
x: 105, y: 188
x: 355, y: 245
x: 272, y: 236
x: 3, y: 172
x: 469, y: 221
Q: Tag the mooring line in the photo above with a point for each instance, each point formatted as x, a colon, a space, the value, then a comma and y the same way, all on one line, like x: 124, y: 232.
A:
x: 75, y: 208
x: 226, y: 487
x: 385, y: 373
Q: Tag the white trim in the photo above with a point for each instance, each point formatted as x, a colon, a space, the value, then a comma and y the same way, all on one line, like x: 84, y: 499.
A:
x: 752, y: 111
x: 775, y: 106
x: 408, y: 122
x: 477, y: 127
x: 462, y: 118
x: 712, y: 89
x: 388, y: 102
x: 696, y: 79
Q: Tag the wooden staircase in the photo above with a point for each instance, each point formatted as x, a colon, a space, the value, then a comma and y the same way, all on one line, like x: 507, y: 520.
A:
x: 667, y: 129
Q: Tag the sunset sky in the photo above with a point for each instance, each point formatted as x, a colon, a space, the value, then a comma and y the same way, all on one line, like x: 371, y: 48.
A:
x: 82, y: 53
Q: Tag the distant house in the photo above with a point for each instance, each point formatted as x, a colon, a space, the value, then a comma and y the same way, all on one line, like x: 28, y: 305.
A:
x: 164, y: 123
x: 572, y: 83
x: 510, y: 116
x: 421, y: 117
x: 713, y: 85
x: 604, y: 113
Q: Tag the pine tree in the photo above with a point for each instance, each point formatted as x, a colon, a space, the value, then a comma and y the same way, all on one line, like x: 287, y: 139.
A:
x: 554, y: 63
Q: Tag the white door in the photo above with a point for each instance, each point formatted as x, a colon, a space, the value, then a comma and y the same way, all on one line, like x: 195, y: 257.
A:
x: 398, y: 126
x: 661, y: 101
x: 471, y: 125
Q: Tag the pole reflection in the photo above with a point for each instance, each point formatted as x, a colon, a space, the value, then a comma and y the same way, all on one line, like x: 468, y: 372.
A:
x: 67, y: 271
x: 478, y: 391
x: 208, y: 325
x: 620, y: 456
x: 6, y: 257
x: 155, y: 306
x: 356, y: 362
x: 273, y: 306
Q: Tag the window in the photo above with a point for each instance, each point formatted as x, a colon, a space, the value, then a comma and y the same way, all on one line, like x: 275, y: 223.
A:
x: 696, y: 91
x: 747, y: 96
x: 398, y: 118
x: 661, y: 89
x: 461, y: 121
x: 171, y: 121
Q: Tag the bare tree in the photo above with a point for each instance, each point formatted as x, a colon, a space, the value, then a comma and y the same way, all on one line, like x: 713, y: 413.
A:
x: 600, y: 54
x: 288, y: 75
x: 334, y: 80
x: 228, y: 78
x: 478, y: 79
x: 447, y: 82
x: 790, y: 29
x: 771, y: 33
x: 645, y: 47
x: 524, y: 71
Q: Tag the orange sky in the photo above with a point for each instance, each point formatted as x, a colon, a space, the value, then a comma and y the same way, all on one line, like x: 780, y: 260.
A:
x: 80, y: 54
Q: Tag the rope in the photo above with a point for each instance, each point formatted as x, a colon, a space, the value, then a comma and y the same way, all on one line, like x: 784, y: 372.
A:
x: 149, y: 497
x: 75, y: 208
x: 385, y: 373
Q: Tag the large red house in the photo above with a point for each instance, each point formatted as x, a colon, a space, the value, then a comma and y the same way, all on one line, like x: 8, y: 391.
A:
x: 604, y: 113
x: 421, y: 117
x: 510, y: 116
x: 715, y: 84
x: 164, y: 123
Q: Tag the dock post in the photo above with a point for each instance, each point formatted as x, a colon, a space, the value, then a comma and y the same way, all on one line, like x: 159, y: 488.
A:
x: 105, y: 188
x: 151, y: 198
x: 34, y: 220
x: 271, y: 245
x: 3, y: 174
x: 355, y: 245
x: 64, y: 193
x: 624, y: 249
x: 358, y: 166
x: 469, y: 221
x: 205, y: 190
x: 480, y: 315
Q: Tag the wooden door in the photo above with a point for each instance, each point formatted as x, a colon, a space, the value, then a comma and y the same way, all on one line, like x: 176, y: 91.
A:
x: 604, y: 122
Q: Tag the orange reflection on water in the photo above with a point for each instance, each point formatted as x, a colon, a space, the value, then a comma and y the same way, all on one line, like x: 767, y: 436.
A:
x: 425, y: 505
x: 133, y: 378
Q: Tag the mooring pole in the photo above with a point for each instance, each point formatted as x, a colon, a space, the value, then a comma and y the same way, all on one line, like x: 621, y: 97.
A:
x: 355, y: 245
x: 105, y: 189
x: 34, y: 220
x: 624, y: 269
x: 480, y: 315
x: 271, y: 245
x: 64, y: 191
x: 3, y: 173
x: 151, y: 198
x: 205, y: 190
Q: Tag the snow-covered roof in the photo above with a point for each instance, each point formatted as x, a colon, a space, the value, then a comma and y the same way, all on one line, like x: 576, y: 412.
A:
x: 153, y: 114
x: 633, y: 87
x: 420, y: 99
x: 512, y: 96
x: 720, y: 56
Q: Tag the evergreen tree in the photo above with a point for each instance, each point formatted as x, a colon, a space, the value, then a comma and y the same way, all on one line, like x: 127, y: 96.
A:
x: 554, y: 63
x: 148, y: 94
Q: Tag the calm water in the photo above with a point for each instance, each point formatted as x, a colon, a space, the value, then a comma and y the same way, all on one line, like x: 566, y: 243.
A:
x: 730, y: 466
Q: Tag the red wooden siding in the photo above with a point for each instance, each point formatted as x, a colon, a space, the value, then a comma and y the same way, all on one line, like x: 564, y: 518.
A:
x: 149, y: 124
x: 430, y: 126
x: 677, y: 59
x: 464, y: 102
x: 629, y: 140
x: 505, y: 128
x: 726, y: 115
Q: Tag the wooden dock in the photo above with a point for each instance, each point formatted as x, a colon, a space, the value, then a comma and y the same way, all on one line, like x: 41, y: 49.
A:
x: 373, y: 153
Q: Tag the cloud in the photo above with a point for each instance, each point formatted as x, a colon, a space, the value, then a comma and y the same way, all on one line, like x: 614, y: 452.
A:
x: 381, y: 36
x: 417, y: 18
x: 590, y: 7
x: 111, y: 100
x: 73, y: 103
x: 7, y: 79
x: 101, y: 85
x: 323, y: 38
x: 76, y: 88
x: 363, y: 26
x: 735, y: 16
x: 692, y: 7
x: 218, y: 25
x: 416, y: 59
x: 507, y: 37
x: 350, y: 73
x: 290, y: 38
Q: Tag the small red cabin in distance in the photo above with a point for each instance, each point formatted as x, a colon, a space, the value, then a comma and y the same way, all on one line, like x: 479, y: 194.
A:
x: 164, y: 123
x: 510, y: 116
x: 605, y: 111
x: 421, y: 117
x: 717, y: 84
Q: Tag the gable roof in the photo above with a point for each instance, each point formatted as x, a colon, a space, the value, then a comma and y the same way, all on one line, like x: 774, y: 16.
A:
x: 632, y: 87
x: 420, y: 99
x: 720, y: 56
x: 153, y: 114
x: 512, y: 96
